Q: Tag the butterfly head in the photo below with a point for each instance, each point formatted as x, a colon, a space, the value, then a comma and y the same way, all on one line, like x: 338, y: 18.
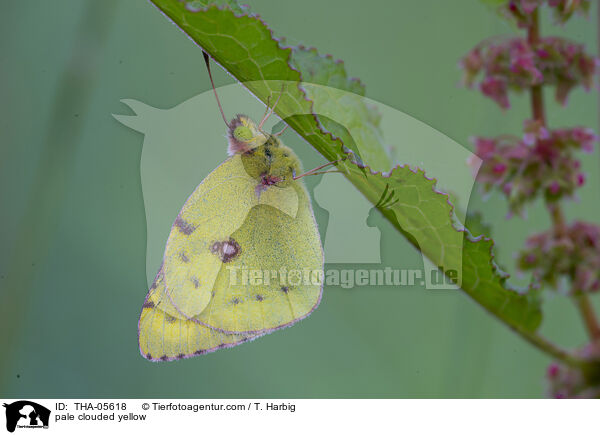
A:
x: 244, y: 135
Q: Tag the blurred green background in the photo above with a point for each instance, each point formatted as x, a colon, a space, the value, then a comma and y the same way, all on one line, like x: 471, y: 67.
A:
x: 73, y: 234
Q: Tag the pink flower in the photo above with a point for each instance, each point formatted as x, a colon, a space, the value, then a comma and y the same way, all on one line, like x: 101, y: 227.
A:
x: 495, y: 88
x: 529, y: 139
x: 515, y: 64
x: 554, y: 188
x: 530, y: 258
x: 529, y: 6
x: 542, y: 53
x: 542, y: 163
x: 484, y: 147
x: 521, y: 10
x: 585, y: 137
x: 574, y: 254
x: 499, y: 168
x: 534, y: 130
x: 553, y: 371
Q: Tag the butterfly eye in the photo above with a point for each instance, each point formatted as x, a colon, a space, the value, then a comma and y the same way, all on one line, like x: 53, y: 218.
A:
x: 243, y: 133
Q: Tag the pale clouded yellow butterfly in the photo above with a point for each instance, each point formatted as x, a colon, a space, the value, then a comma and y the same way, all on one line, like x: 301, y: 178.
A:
x: 243, y: 258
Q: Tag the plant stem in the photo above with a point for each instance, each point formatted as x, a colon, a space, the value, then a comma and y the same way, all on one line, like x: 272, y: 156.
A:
x: 558, y: 218
x: 557, y: 215
x: 537, y: 97
x: 555, y: 351
x: 589, y: 316
x: 533, y: 31
x: 537, y: 104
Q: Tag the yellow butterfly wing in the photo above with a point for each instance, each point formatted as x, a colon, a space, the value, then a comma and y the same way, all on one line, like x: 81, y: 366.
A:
x: 279, y: 247
x: 213, y: 212
x: 235, y: 224
x: 163, y: 337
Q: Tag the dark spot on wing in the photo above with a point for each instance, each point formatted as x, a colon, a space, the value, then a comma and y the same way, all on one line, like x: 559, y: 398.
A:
x: 184, y: 226
x: 235, y: 301
x: 196, y: 282
x: 164, y: 357
x: 259, y: 298
x: 200, y: 352
x: 226, y: 250
x: 148, y: 304
x: 148, y: 356
x: 180, y: 356
x: 285, y: 289
x: 222, y: 345
x: 170, y: 318
x: 184, y: 257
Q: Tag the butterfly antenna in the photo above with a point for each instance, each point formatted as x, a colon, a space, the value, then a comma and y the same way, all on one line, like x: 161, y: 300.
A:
x: 207, y: 62
x: 269, y: 112
x: 281, y: 132
x: 266, y: 111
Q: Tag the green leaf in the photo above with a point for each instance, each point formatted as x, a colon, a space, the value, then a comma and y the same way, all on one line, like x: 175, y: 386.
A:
x: 325, y: 107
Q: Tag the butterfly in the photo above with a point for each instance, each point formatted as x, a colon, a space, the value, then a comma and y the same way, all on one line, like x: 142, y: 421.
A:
x: 243, y: 258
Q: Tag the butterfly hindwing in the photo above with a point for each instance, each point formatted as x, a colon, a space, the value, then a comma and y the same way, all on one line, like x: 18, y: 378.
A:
x: 163, y: 337
x: 275, y: 281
